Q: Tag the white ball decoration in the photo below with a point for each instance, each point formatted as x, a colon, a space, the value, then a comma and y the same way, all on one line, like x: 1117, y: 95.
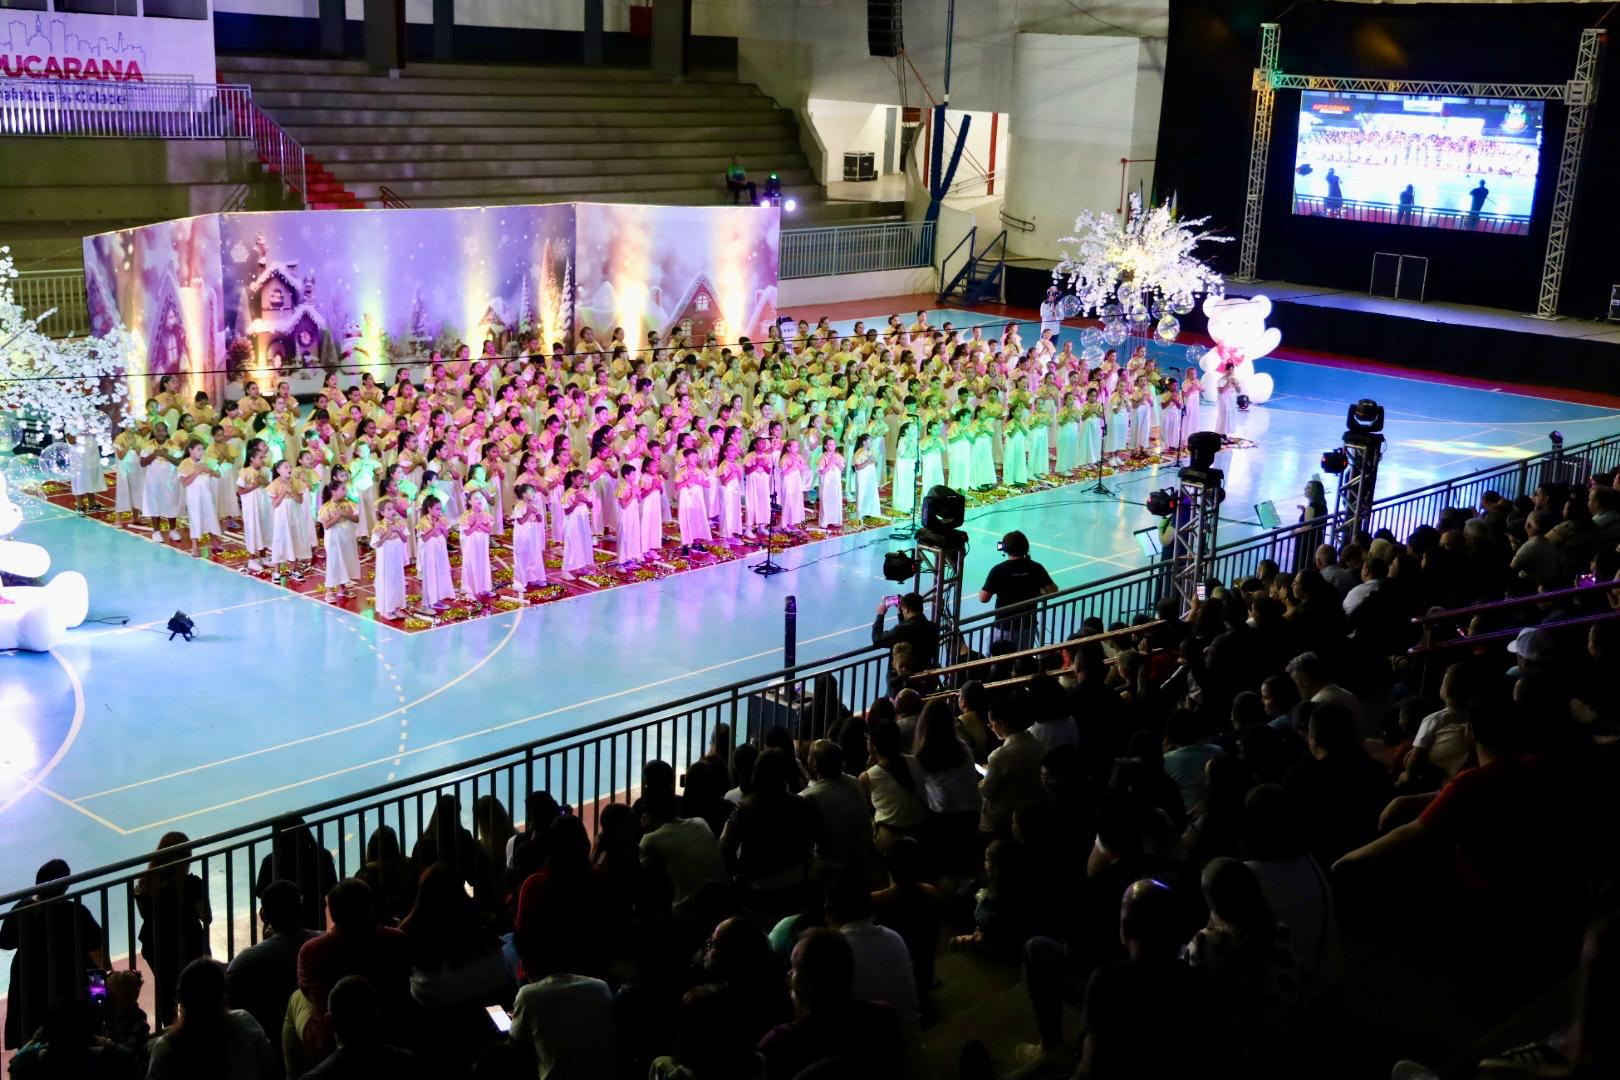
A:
x: 59, y: 460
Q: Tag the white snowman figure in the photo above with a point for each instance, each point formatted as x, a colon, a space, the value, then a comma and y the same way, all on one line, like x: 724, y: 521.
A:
x: 1238, y: 326
x: 35, y: 617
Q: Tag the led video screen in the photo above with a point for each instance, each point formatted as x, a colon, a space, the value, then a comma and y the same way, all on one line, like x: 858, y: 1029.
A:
x: 1435, y: 162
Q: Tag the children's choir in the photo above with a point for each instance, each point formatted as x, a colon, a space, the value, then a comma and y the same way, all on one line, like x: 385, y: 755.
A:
x: 605, y: 449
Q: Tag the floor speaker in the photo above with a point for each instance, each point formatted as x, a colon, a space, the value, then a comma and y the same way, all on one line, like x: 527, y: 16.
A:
x: 883, y: 36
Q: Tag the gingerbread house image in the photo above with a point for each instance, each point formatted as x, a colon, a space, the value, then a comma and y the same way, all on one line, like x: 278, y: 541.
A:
x: 283, y: 321
x: 698, y: 313
x: 496, y: 324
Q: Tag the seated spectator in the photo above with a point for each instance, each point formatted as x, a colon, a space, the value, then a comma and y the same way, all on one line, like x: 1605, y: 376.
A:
x: 768, y: 840
x: 1053, y: 725
x: 910, y: 907
x: 1295, y: 885
x: 1440, y: 748
x: 209, y: 1039
x: 68, y: 1048
x: 831, y: 1022
x: 526, y: 851
x: 973, y: 719
x: 559, y: 907
x: 445, y: 839
x: 1215, y: 823
x: 737, y: 183
x: 1310, y: 675
x: 908, y: 707
x: 1186, y: 752
x: 389, y: 875
x: 1012, y: 773
x: 894, y: 785
x: 844, y: 822
x: 455, y: 959
x: 357, y: 1021
x: 1537, y: 559
x: 704, y: 794
x: 296, y: 856
x: 1279, y: 697
x: 740, y: 967
x: 1250, y: 952
x: 883, y: 972
x: 1374, y: 573
x: 1127, y: 1002
x: 1339, y: 789
x: 261, y: 977
x: 355, y: 945
x: 1004, y: 908
x: 678, y: 856
x: 567, y: 1021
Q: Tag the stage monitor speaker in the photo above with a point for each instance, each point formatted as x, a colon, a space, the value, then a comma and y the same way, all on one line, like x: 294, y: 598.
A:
x: 883, y: 36
x: 1614, y: 303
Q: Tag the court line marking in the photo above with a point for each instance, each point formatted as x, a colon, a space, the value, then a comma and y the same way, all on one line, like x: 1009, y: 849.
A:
x: 1428, y: 382
x: 302, y: 740
x: 134, y: 627
x: 461, y: 737
x: 67, y: 742
x: 91, y: 814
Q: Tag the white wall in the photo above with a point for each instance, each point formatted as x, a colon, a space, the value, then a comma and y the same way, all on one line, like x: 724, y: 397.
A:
x: 803, y: 292
x: 1082, y: 104
x: 843, y: 127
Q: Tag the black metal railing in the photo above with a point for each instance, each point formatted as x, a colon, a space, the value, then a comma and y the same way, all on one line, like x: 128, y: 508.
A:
x: 602, y: 762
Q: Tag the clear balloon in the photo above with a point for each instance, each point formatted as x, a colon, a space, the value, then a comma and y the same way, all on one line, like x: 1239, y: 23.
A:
x: 1091, y: 338
x: 1092, y: 354
x: 1181, y: 305
x: 1069, y: 307
x: 23, y: 472
x: 1169, y: 329
x: 1195, y: 355
x: 59, y: 460
x: 1113, y: 331
x: 1126, y: 294
x: 10, y: 431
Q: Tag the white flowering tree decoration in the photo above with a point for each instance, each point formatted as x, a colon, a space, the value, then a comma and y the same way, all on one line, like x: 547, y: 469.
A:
x: 1143, y: 260
x: 77, y: 386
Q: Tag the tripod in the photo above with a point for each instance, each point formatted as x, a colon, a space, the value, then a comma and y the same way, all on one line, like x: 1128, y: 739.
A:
x: 770, y: 567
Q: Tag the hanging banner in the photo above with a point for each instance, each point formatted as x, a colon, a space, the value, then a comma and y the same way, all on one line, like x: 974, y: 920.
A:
x: 102, y: 50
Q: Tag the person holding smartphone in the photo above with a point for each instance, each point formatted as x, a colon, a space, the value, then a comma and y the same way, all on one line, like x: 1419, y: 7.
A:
x: 912, y: 627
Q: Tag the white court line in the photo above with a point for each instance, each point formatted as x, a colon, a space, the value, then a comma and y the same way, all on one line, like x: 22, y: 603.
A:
x: 462, y: 737
x: 133, y: 627
x: 1381, y: 374
x: 320, y: 734
x: 67, y: 742
x: 91, y: 814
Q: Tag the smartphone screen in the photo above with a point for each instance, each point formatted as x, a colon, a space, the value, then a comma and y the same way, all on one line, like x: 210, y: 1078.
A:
x: 1587, y: 579
x: 1202, y: 592
x: 980, y: 769
x: 96, y: 985
x: 501, y: 1018
x: 892, y: 601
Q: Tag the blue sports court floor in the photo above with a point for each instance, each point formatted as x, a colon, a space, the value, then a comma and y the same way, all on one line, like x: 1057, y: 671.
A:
x: 281, y: 702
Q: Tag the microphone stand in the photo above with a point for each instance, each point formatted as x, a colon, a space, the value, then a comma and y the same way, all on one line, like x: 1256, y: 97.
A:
x: 1100, y: 488
x: 770, y: 567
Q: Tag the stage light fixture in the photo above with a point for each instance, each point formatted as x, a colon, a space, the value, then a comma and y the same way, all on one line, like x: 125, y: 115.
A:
x: 180, y: 624
x: 899, y: 566
x: 943, y: 508
x: 1557, y: 438
x: 1243, y: 402
x: 789, y: 205
x: 1334, y: 462
x: 1162, y: 503
x: 1202, y: 446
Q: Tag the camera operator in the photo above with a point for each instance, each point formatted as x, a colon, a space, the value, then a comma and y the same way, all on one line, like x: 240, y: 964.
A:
x: 1011, y: 582
x: 913, y: 628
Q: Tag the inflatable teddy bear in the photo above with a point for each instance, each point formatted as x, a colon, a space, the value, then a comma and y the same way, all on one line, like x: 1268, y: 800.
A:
x: 35, y: 617
x: 1238, y: 326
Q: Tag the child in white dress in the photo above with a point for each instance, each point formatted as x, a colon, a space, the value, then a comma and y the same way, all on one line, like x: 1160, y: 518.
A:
x: 692, y: 500
x: 866, y: 481
x: 339, y: 517
x: 831, y: 507
x: 388, y: 540
x: 628, y: 496
x: 433, y: 555
x: 477, y: 523
x: 197, y: 478
x: 528, y: 539
x: 579, y: 541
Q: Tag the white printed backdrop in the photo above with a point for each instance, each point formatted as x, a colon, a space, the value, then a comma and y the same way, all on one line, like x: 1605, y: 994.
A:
x: 103, y: 49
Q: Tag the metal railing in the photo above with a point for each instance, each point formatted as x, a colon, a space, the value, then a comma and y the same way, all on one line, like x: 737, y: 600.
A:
x: 63, y: 290
x: 1433, y: 217
x: 856, y: 249
x: 602, y: 762
x: 156, y: 109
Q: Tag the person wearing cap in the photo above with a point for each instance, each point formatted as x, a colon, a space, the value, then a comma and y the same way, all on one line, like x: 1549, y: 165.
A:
x: 1014, y: 581
x: 1534, y: 649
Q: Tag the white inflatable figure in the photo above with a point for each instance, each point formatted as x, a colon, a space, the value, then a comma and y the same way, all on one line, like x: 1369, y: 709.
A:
x: 35, y: 618
x: 1238, y: 326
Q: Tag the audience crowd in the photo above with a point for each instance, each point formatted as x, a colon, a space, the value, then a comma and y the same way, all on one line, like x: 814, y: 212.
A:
x: 1174, y: 834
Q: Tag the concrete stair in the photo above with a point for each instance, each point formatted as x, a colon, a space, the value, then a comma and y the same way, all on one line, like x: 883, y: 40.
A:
x: 461, y: 134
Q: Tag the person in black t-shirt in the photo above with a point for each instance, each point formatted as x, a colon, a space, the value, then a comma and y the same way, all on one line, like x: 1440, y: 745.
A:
x: 1011, y: 582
